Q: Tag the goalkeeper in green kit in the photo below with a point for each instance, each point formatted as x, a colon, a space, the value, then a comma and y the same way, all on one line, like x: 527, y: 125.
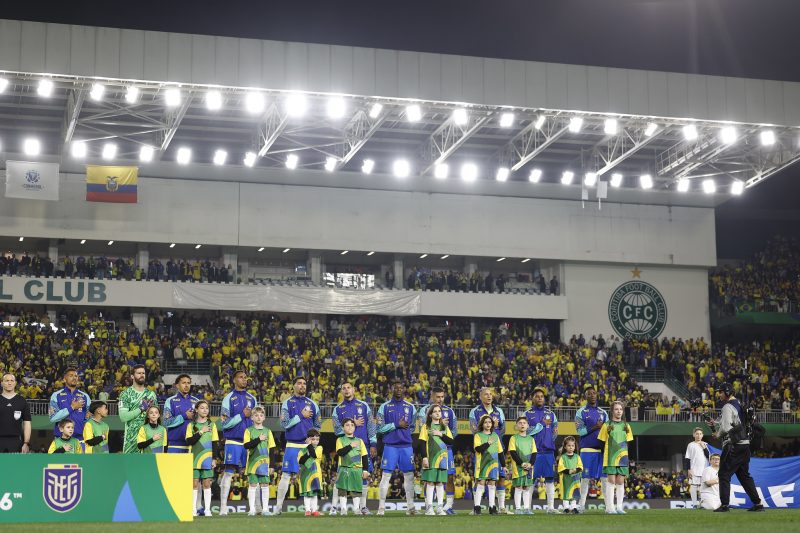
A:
x: 133, y: 405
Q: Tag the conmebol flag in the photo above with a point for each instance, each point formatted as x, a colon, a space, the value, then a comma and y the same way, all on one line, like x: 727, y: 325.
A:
x: 111, y: 184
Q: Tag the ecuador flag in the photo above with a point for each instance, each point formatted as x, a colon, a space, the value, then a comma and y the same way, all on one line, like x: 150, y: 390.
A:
x: 111, y: 184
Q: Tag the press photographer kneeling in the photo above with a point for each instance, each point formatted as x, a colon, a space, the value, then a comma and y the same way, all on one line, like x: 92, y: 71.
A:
x: 732, y: 428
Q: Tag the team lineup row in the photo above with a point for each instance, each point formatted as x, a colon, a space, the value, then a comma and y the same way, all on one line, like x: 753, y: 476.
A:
x: 248, y: 444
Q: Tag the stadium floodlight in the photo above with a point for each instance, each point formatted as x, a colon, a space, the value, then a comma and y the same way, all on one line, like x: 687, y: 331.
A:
x: 737, y: 187
x: 184, y: 155
x: 413, y: 113
x: 445, y: 256
x: 575, y: 124
x: 330, y: 164
x: 501, y: 259
x: 220, y: 157
x: 31, y: 146
x: 250, y: 159
x: 616, y: 179
x: 213, y: 100
x: 767, y: 138
x: 291, y: 161
x: 690, y: 132
x: 589, y: 179
x: 535, y: 175
x: 539, y: 122
x: 83, y: 241
x: 610, y: 126
x: 110, y: 243
x: 567, y: 176
x: 460, y: 116
x: 370, y: 253
x: 337, y: 107
x: 286, y: 250
x: 21, y: 239
x: 423, y: 256
x: 367, y: 166
x: 469, y: 172
x: 255, y: 103
x: 525, y: 260
x: 97, y: 92
x: 296, y: 105
x: 109, y: 151
x: 375, y: 110
x: 197, y: 246
x: 172, y: 97
x: 132, y: 94
x: 172, y: 245
x: 506, y: 120
x: 502, y: 174
x: 650, y: 129
x: 261, y: 249
x: 3, y: 85
x: 646, y: 181
x: 45, y: 88
x: 344, y: 252
x: 709, y: 186
x: 78, y: 149
x: 683, y: 185
x: 401, y: 168
x: 146, y: 153
x: 728, y: 135
x: 441, y: 171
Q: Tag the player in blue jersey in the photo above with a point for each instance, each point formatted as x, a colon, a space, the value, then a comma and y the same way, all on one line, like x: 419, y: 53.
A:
x: 450, y: 420
x: 543, y: 425
x: 70, y: 403
x: 299, y: 413
x: 395, y: 422
x: 237, y: 407
x: 361, y: 414
x: 588, y: 421
x: 179, y: 413
x: 488, y: 408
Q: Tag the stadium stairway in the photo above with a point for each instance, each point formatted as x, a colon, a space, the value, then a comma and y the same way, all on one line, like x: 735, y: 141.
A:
x: 659, y: 381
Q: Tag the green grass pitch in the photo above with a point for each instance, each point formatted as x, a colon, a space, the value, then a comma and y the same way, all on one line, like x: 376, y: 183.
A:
x: 652, y: 521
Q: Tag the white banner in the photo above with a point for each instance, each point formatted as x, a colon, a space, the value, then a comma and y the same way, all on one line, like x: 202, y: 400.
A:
x: 296, y: 300
x: 34, y: 181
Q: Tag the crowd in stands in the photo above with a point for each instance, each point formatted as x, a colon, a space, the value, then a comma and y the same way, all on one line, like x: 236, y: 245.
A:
x: 769, y: 281
x: 120, y: 268
x: 425, y: 279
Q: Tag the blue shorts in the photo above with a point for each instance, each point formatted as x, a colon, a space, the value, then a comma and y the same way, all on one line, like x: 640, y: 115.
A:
x: 178, y: 448
x: 397, y: 457
x: 290, y: 454
x: 592, y: 464
x: 545, y: 465
x: 452, y: 470
x: 235, y: 454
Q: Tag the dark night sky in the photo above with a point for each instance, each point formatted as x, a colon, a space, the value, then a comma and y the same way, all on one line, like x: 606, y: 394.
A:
x: 748, y: 38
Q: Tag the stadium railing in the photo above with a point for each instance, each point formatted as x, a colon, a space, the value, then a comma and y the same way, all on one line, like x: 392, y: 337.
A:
x: 40, y: 407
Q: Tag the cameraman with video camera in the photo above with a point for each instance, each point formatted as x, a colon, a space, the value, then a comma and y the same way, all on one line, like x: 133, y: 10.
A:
x: 732, y: 429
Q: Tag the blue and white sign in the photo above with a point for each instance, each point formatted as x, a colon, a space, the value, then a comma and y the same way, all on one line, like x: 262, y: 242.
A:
x: 777, y: 482
x: 32, y: 180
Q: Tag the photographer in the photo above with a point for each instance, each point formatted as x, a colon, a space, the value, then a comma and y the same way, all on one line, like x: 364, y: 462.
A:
x: 735, y: 450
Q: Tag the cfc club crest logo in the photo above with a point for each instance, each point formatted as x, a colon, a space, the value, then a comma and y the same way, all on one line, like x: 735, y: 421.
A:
x: 63, y: 486
x: 637, y: 310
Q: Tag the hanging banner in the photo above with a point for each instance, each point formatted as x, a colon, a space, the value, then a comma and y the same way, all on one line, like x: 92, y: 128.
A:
x: 295, y: 300
x: 777, y: 481
x: 112, y: 184
x: 31, y: 180
x: 96, y: 488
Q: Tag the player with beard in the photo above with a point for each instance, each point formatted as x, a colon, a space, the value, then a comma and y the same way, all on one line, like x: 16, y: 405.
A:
x: 133, y: 405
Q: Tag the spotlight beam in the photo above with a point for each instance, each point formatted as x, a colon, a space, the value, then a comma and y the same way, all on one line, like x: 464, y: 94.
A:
x: 448, y: 138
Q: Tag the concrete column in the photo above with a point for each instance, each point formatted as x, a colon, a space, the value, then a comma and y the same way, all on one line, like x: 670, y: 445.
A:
x: 231, y: 257
x: 142, y: 257
x: 473, y: 329
x: 399, y: 272
x: 52, y: 251
x: 315, y: 269
x: 139, y: 320
x: 470, y: 265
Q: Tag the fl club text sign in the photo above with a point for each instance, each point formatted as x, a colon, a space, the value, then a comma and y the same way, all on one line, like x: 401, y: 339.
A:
x: 53, y: 291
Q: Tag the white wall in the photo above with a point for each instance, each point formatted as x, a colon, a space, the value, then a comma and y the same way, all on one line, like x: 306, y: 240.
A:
x: 158, y: 56
x: 589, y: 288
x: 328, y: 218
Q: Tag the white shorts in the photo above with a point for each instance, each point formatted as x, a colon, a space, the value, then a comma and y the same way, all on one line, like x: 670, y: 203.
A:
x: 710, y: 503
x: 696, y: 480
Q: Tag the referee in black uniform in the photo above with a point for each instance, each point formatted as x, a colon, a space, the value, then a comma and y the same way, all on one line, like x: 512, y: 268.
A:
x: 15, y: 419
